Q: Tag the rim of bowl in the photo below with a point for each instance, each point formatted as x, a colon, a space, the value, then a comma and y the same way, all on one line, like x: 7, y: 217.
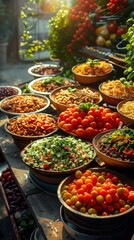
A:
x: 41, y: 75
x: 76, y: 86
x: 41, y: 78
x: 26, y: 94
x: 93, y: 216
x: 29, y: 136
x: 96, y: 147
x: 119, y: 105
x: 100, y: 85
x: 95, y: 76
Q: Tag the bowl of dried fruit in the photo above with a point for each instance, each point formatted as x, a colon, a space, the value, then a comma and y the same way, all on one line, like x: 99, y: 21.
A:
x: 63, y: 97
x: 29, y: 127
x: 44, y: 70
x: 93, y: 197
x: 53, y: 158
x: 46, y: 85
x: 7, y: 91
x: 116, y: 147
x: 24, y: 103
x: 92, y: 71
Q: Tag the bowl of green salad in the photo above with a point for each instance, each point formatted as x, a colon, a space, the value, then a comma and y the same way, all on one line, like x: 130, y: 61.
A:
x: 51, y: 159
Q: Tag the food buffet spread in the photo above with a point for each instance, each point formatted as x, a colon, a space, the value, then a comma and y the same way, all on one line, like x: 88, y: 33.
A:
x: 72, y: 156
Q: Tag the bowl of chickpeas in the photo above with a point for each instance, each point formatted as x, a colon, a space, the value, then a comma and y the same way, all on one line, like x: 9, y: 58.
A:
x: 126, y: 111
x: 95, y: 197
x: 24, y: 103
x: 26, y: 128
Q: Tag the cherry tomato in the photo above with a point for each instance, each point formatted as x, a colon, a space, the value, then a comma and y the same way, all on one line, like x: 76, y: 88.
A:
x: 89, y: 132
x: 112, y: 27
x: 80, y: 132
x: 85, y: 122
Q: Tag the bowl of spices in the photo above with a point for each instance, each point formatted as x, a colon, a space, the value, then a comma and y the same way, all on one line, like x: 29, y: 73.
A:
x: 41, y: 70
x: 7, y: 91
x: 53, y: 158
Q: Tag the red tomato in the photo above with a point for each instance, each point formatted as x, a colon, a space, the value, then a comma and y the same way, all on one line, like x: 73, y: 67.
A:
x: 108, y: 126
x: 90, y: 118
x: 93, y: 125
x: 112, y: 27
x: 76, y: 114
x: 80, y: 132
x: 68, y: 127
x: 82, y: 114
x: 74, y: 122
x: 85, y: 122
x: 120, y: 31
x: 90, y: 132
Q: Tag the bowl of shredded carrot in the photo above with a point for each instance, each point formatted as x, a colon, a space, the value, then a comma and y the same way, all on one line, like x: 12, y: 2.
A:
x: 86, y: 74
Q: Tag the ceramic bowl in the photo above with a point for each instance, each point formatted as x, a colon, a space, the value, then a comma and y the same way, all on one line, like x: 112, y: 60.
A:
x: 62, y: 107
x: 88, y: 79
x: 124, y: 109
x: 111, y: 161
x: 7, y: 91
x: 37, y: 103
x: 36, y: 70
x: 39, y: 81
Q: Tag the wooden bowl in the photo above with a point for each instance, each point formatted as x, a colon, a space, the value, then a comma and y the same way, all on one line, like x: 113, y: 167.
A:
x: 88, y: 79
x: 52, y: 176
x: 114, y: 162
x: 22, y: 141
x: 14, y: 97
x: 62, y: 107
x: 124, y: 115
x: 31, y: 70
x: 86, y: 221
x: 109, y: 99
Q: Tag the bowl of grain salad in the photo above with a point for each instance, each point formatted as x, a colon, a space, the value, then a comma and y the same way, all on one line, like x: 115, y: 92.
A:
x: 29, y: 127
x: 24, y: 103
x: 63, y: 97
x: 46, y: 85
x: 53, y: 158
x: 126, y: 111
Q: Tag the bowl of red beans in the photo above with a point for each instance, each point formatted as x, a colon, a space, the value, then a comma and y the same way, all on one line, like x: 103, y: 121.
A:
x: 115, y: 147
x: 24, y: 103
x: 45, y: 70
x: 26, y: 128
x: 96, y: 197
x: 7, y: 91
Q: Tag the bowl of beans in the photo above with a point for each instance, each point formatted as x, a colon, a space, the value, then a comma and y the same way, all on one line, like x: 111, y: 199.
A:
x: 126, y: 111
x: 96, y: 197
x: 85, y: 74
x: 24, y: 103
x: 7, y: 91
x: 46, y: 85
x: 114, y: 91
x: 44, y: 70
x: 29, y: 127
x: 64, y: 97
x: 116, y: 147
x: 53, y: 158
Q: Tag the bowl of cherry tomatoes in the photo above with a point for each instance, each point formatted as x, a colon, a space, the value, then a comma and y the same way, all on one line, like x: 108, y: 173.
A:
x: 115, y: 147
x: 97, y: 197
x: 87, y: 120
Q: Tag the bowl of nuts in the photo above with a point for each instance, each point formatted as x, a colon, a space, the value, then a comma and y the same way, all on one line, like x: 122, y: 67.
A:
x: 26, y: 128
x: 24, y: 103
x: 7, y: 91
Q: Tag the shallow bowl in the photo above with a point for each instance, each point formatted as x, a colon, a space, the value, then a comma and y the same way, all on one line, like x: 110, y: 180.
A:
x: 31, y: 70
x: 15, y: 91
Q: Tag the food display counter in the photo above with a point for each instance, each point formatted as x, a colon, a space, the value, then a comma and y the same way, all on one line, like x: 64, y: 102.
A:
x: 42, y: 200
